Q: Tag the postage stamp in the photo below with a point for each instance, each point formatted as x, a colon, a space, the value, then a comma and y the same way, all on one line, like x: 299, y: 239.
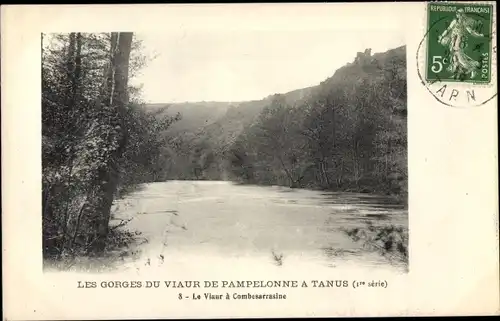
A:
x: 459, y: 48
x: 457, y: 55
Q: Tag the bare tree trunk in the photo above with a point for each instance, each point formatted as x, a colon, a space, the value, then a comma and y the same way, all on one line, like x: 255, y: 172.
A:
x: 340, y: 175
x: 387, y: 159
x: 325, y: 175
x: 74, y: 69
x: 357, y: 164
x: 118, y: 100
x: 287, y: 172
x: 319, y: 174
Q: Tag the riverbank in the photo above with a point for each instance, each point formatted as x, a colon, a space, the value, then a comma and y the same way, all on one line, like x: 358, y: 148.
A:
x: 398, y: 198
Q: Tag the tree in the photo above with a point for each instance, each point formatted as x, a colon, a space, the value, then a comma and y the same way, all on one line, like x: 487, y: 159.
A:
x: 84, y: 102
x: 114, y: 107
x: 349, y: 134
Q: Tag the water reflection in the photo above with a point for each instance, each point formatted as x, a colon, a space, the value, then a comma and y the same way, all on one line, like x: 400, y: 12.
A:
x: 233, y: 220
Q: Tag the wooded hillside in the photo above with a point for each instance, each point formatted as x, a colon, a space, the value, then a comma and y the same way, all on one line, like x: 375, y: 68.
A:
x: 348, y: 133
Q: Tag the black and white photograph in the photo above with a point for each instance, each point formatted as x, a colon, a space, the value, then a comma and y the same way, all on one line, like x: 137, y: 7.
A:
x: 272, y: 145
x: 249, y: 160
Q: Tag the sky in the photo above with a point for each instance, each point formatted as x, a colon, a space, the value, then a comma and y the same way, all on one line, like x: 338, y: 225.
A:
x: 241, y: 63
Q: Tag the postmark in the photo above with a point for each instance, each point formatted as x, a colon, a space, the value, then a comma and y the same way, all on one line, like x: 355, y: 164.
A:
x: 456, y: 59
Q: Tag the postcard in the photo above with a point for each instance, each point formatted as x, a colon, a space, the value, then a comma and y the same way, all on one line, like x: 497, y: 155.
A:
x: 249, y: 160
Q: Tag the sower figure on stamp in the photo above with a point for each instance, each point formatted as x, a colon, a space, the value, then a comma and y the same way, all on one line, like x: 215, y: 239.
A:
x: 455, y: 37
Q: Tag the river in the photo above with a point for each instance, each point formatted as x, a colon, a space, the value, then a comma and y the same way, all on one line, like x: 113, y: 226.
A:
x: 274, y: 225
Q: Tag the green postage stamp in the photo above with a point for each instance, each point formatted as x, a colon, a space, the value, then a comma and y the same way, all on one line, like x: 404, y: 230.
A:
x: 459, y: 43
x: 456, y: 58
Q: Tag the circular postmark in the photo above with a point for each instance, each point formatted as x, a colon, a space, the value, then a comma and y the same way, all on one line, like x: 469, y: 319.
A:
x: 456, y: 59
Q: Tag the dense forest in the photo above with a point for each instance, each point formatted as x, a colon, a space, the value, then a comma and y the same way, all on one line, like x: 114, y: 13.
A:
x: 346, y: 134
x: 99, y: 140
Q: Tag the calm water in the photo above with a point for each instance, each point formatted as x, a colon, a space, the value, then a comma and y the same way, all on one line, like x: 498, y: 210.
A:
x: 221, y: 219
